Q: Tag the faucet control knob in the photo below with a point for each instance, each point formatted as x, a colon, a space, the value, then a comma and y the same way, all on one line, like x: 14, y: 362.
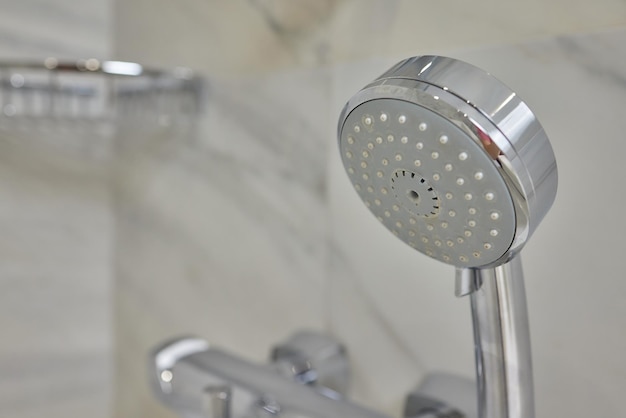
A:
x: 316, y: 360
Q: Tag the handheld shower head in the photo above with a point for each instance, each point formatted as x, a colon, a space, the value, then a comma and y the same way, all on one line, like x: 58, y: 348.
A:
x: 457, y: 166
x: 449, y: 159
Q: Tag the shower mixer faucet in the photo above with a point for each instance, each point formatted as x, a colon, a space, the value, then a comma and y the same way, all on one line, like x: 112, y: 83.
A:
x: 454, y: 164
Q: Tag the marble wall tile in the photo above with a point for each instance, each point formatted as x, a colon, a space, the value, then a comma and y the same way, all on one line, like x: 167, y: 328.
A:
x: 363, y: 29
x: 575, y: 84
x: 56, y: 272
x: 55, y: 245
x: 222, y: 234
x: 61, y: 28
x: 248, y: 36
x: 224, y: 38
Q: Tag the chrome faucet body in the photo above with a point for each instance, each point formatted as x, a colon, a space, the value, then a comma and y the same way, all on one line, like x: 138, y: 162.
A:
x: 307, y: 378
x: 200, y: 381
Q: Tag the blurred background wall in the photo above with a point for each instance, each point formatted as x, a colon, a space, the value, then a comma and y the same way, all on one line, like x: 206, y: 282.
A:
x: 57, y: 234
x: 248, y: 229
x: 251, y: 36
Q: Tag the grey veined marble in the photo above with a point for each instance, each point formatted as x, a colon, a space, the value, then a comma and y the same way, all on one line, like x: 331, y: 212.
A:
x: 223, y: 233
x: 56, y: 237
x: 246, y: 228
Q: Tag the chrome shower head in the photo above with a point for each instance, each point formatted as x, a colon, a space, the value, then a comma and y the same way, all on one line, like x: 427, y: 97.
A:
x: 449, y: 159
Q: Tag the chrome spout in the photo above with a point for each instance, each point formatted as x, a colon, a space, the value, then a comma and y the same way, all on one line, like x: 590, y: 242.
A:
x: 197, y: 380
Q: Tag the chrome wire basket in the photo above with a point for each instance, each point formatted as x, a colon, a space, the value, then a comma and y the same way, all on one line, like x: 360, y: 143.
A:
x: 81, y: 107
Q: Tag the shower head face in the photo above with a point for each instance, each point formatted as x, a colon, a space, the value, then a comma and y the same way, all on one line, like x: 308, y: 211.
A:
x: 437, y: 171
x: 428, y: 183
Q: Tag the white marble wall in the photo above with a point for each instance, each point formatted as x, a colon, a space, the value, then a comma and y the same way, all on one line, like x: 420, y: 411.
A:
x: 252, y: 36
x: 249, y: 230
x: 222, y: 234
x: 327, y: 256
x: 60, y: 28
x: 55, y: 244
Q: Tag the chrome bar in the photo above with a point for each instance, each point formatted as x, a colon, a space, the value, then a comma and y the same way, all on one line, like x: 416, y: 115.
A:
x: 187, y: 368
x: 502, y: 343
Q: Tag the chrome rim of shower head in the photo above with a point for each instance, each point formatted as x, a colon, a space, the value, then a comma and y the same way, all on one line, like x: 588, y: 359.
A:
x: 449, y: 159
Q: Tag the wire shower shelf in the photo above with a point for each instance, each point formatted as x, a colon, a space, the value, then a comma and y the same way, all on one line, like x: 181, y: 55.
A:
x: 83, y: 105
